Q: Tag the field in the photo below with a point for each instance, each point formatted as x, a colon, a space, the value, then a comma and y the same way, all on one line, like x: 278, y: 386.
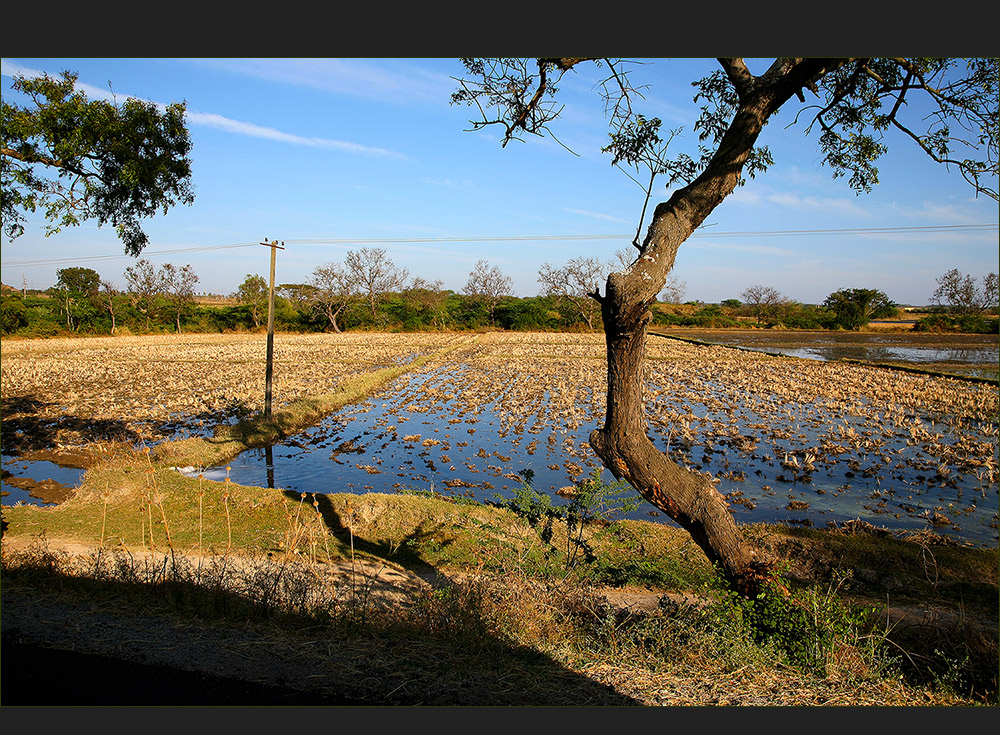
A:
x: 790, y: 440
x: 393, y: 415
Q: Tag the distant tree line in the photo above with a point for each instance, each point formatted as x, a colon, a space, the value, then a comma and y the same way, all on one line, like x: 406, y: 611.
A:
x: 367, y: 291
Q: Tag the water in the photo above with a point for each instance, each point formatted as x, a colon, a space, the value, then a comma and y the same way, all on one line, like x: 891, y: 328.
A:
x: 380, y: 446
x: 396, y: 444
x: 17, y: 470
x: 420, y: 435
x: 966, y: 354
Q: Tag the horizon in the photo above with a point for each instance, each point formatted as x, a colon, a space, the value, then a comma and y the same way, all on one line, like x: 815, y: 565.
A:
x: 332, y: 155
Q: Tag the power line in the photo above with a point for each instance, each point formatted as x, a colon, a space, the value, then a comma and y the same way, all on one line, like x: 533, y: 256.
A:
x: 527, y: 238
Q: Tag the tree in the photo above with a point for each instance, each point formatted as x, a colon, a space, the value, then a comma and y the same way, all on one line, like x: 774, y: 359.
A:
x: 105, y: 300
x: 332, y: 291
x: 74, y: 285
x: 12, y: 314
x: 857, y: 101
x: 673, y: 290
x: 959, y: 294
x: 109, y: 162
x: 489, y: 284
x: 855, y: 307
x: 763, y: 301
x: 574, y: 283
x: 179, y: 286
x: 145, y: 287
x: 428, y: 298
x: 374, y: 275
x: 81, y: 281
x: 253, y: 293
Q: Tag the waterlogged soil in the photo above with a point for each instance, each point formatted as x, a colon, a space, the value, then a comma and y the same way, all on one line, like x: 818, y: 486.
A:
x: 974, y: 355
x: 796, y: 441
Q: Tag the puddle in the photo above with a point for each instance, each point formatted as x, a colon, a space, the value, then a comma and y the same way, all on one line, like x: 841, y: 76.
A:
x: 393, y: 444
x: 37, y: 482
x: 971, y: 355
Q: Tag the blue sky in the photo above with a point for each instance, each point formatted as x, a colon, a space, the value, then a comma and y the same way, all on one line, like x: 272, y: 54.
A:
x: 332, y: 155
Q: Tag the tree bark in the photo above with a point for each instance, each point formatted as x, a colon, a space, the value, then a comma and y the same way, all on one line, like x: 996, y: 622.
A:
x: 690, y: 498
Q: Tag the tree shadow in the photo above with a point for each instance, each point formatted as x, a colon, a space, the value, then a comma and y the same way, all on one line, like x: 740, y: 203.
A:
x: 26, y: 428
x: 553, y: 683
x: 401, y: 554
x: 211, y: 660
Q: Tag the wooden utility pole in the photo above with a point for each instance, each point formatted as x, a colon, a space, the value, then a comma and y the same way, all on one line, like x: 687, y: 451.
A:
x: 270, y: 328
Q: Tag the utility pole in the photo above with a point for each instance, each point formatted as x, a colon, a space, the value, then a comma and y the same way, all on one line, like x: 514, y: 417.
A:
x: 270, y: 328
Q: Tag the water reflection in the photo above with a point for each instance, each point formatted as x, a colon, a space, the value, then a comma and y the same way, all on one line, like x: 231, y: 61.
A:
x: 867, y: 346
x: 809, y: 470
x: 36, y: 482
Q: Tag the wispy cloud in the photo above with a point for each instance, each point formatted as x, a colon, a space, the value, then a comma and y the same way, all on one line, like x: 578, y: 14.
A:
x: 464, y: 185
x: 829, y: 205
x: 596, y: 215
x: 236, y: 127
x: 392, y: 80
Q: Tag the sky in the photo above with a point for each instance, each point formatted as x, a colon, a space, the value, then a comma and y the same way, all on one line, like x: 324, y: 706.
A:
x: 333, y: 155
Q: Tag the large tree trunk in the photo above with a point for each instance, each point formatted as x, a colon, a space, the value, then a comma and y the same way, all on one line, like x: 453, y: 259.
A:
x: 688, y: 497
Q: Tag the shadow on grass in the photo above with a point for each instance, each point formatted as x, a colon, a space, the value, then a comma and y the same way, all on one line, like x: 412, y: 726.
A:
x: 165, y: 632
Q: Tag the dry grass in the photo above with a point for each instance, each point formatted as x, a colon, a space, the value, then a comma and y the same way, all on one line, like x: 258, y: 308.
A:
x: 487, y: 638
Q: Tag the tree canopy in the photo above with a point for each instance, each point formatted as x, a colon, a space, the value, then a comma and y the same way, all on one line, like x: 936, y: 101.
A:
x: 78, y: 159
x: 948, y: 107
x: 960, y: 295
x: 855, y: 307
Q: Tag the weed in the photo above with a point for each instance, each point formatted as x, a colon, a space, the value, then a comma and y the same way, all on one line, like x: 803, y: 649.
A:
x: 591, y: 502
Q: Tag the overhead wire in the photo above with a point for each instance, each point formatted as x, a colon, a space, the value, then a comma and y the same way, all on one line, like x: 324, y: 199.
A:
x: 520, y: 238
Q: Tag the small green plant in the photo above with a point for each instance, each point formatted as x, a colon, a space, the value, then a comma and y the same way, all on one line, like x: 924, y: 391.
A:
x: 592, y: 500
x: 813, y: 629
x: 535, y: 507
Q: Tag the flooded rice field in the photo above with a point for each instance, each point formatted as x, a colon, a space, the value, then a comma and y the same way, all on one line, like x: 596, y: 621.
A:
x: 975, y: 355
x: 788, y: 440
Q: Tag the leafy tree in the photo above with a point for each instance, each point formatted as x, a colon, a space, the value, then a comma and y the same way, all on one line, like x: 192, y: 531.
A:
x: 574, y: 283
x: 855, y: 307
x: 80, y: 281
x: 254, y: 294
x: 854, y: 103
x: 12, y: 314
x: 80, y: 159
x: 960, y: 295
x: 76, y: 287
x: 488, y: 284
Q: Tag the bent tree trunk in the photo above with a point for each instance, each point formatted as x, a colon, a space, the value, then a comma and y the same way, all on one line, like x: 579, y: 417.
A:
x: 690, y: 498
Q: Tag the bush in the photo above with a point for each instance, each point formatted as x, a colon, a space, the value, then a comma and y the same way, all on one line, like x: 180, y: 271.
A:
x: 962, y: 324
x: 13, y: 315
x: 813, y: 629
